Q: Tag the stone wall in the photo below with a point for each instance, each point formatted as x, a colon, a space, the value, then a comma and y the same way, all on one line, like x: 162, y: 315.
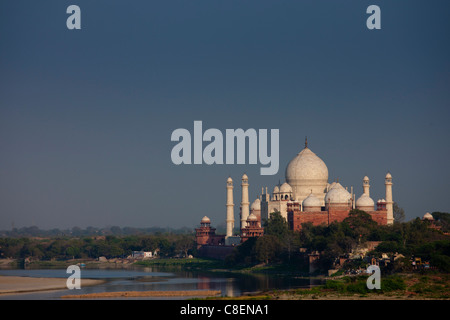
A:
x: 215, y: 252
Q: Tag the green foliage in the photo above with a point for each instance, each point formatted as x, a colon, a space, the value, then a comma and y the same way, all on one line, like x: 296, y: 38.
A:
x: 442, y: 262
x: 110, y: 246
x: 443, y: 220
x: 276, y: 225
x: 266, y: 248
x: 392, y: 283
x: 358, y: 285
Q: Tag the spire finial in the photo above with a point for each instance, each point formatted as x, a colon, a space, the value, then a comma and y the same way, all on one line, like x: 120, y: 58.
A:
x: 306, y: 142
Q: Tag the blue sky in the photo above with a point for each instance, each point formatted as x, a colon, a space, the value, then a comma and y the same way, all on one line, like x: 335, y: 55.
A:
x: 86, y: 115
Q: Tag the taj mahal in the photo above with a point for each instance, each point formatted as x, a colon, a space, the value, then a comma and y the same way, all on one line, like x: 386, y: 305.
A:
x: 305, y: 196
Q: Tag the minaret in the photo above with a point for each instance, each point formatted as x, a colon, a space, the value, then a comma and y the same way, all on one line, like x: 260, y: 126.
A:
x: 366, y: 185
x: 245, y: 204
x: 230, y: 208
x: 389, y: 202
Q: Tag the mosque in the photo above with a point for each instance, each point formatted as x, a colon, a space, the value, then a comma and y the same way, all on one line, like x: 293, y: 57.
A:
x: 305, y: 196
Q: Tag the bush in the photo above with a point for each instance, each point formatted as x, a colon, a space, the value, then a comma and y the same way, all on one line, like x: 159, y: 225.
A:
x: 358, y: 287
x: 392, y: 284
x: 440, y: 261
x: 335, y: 285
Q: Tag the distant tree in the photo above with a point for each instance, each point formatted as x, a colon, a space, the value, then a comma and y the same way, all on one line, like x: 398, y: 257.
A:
x: 267, y: 248
x: 276, y: 225
x: 399, y: 213
x: 359, y: 224
x: 115, y: 230
x: 184, y: 244
x: 77, y: 231
x: 443, y: 219
x: 291, y: 243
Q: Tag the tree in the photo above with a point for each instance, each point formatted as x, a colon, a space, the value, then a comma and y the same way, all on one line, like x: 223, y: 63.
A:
x: 184, y: 244
x: 399, y: 213
x: 267, y: 248
x: 359, y: 224
x: 276, y: 225
x: 443, y: 219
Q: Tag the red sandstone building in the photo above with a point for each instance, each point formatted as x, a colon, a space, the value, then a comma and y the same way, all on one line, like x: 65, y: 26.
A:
x: 328, y: 214
x: 206, y: 235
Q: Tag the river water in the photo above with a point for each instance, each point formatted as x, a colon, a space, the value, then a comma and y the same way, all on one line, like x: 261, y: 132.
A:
x: 160, y: 279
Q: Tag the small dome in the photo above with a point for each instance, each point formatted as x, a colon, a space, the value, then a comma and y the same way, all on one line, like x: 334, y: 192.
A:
x: 388, y: 176
x: 229, y: 179
x: 276, y: 189
x: 365, y: 201
x: 256, y: 205
x: 244, y: 177
x: 366, y: 178
x: 285, y: 188
x: 252, y: 217
x: 206, y: 220
x: 337, y: 194
x: 428, y: 216
x: 312, y: 201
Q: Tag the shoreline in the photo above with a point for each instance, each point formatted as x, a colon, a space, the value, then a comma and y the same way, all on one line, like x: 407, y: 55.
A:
x: 141, y: 294
x: 10, y: 285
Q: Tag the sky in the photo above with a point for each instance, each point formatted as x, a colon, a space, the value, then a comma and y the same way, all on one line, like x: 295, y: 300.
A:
x: 86, y: 116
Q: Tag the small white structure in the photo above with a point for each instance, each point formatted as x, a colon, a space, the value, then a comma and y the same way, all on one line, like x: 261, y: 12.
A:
x: 141, y: 254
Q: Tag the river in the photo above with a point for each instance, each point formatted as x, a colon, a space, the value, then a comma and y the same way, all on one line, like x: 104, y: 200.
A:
x: 160, y: 279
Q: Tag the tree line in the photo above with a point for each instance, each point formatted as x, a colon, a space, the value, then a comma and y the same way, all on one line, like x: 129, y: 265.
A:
x: 63, y: 248
x: 34, y: 231
x: 411, y: 239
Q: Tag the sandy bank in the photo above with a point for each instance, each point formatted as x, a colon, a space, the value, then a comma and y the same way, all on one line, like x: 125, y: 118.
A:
x: 12, y: 284
x: 192, y: 293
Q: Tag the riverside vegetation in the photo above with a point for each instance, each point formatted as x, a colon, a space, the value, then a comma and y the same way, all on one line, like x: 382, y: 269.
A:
x: 278, y: 251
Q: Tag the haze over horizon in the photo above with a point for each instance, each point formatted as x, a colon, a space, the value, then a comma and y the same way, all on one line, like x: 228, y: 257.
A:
x: 86, y: 115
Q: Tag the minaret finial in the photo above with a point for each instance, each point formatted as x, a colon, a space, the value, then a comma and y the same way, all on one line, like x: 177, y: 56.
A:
x: 306, y: 142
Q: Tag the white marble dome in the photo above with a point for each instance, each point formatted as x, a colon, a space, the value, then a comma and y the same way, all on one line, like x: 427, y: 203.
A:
x: 337, y: 195
x: 252, y: 217
x: 427, y: 216
x: 276, y: 189
x: 307, y: 172
x: 285, y: 188
x: 256, y: 205
x: 312, y: 201
x: 365, y: 201
x: 205, y: 219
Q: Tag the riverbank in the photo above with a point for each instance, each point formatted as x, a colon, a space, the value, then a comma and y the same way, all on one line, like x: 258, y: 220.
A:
x: 408, y: 286
x: 141, y: 294
x: 13, y: 285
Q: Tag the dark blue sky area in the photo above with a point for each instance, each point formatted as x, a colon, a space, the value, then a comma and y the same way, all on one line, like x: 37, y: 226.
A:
x: 86, y: 115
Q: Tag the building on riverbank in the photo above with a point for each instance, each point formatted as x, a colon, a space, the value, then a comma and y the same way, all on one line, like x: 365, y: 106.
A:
x: 305, y: 196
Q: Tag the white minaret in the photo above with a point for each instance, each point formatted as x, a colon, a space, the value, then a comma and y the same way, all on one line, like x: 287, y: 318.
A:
x: 366, y: 186
x: 245, y: 204
x: 230, y: 208
x: 389, y: 202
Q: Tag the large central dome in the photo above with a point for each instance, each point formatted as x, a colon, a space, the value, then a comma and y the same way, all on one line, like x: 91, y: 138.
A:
x: 307, y: 173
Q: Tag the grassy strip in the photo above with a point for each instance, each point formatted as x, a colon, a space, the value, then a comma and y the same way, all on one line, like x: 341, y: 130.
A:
x: 399, y: 286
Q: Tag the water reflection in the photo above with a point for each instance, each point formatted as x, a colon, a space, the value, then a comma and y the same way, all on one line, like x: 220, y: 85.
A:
x: 162, y: 279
